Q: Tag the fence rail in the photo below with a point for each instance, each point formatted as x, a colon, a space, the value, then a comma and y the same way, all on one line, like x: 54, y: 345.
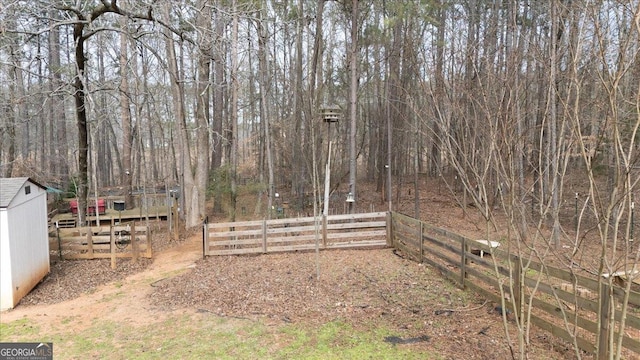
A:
x: 294, y: 234
x: 104, y: 242
x: 568, y: 305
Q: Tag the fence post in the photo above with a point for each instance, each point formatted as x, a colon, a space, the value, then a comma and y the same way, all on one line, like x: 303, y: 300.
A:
x: 389, y: 229
x: 59, y: 241
x: 134, y: 242
x: 517, y: 285
x: 112, y: 241
x: 605, y: 309
x: 149, y: 251
x: 90, y: 243
x: 324, y: 231
x: 264, y: 236
x: 421, y: 229
x: 205, y: 238
x: 463, y: 262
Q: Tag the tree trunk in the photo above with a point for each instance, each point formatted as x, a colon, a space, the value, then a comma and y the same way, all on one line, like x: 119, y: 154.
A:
x: 353, y: 103
x: 265, y: 85
x: 235, y: 88
x: 198, y: 206
x: 126, y: 175
x: 81, y: 120
x: 218, y: 106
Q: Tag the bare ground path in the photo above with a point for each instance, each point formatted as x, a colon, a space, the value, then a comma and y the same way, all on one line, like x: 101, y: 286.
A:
x: 120, y: 301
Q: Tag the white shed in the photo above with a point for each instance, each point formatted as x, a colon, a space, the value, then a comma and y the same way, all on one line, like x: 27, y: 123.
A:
x: 24, y: 242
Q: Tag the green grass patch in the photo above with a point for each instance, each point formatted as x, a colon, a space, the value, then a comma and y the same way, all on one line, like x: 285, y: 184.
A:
x: 338, y: 340
x: 18, y: 328
x: 205, y: 336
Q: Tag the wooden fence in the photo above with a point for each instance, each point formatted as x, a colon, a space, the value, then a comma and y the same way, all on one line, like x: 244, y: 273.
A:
x: 295, y: 234
x: 104, y: 242
x: 568, y: 305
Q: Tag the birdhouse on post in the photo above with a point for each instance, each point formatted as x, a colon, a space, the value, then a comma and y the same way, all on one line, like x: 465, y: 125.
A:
x: 331, y: 114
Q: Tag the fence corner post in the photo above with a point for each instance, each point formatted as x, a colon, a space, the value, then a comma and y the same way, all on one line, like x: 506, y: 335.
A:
x: 604, y: 333
x: 517, y: 285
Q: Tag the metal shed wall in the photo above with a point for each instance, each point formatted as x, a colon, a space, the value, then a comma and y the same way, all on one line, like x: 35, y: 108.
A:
x: 24, y: 244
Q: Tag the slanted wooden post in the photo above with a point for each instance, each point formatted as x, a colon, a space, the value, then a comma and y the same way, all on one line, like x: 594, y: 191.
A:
x: 605, y: 309
x: 113, y: 248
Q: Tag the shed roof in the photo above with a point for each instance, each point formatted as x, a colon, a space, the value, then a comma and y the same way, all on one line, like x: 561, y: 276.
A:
x: 9, y: 187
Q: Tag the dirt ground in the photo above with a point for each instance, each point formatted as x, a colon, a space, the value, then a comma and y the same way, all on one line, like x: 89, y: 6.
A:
x: 367, y: 288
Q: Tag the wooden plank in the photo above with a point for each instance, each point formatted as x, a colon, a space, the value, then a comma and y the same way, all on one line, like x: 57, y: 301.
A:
x: 448, y: 273
x: 565, y: 275
x: 236, y: 251
x: 411, y: 252
x: 486, y: 278
x: 247, y: 242
x: 367, y: 244
x: 291, y: 221
x: 583, y: 344
x: 360, y: 234
x: 292, y: 229
x: 236, y: 233
x: 357, y: 216
x: 632, y: 321
x: 448, y: 234
x: 491, y: 296
x: 410, y: 241
x: 402, y: 230
x: 97, y: 255
x: 561, y: 294
x: 454, y: 249
x: 238, y: 224
x: 358, y: 225
x: 571, y: 317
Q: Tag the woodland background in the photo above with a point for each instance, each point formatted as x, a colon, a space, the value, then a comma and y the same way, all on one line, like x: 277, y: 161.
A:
x: 527, y: 110
x: 498, y: 98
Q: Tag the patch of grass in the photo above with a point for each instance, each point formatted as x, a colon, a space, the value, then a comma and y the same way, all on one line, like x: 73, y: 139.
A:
x: 23, y: 327
x: 113, y: 296
x: 338, y: 340
x: 204, y: 336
